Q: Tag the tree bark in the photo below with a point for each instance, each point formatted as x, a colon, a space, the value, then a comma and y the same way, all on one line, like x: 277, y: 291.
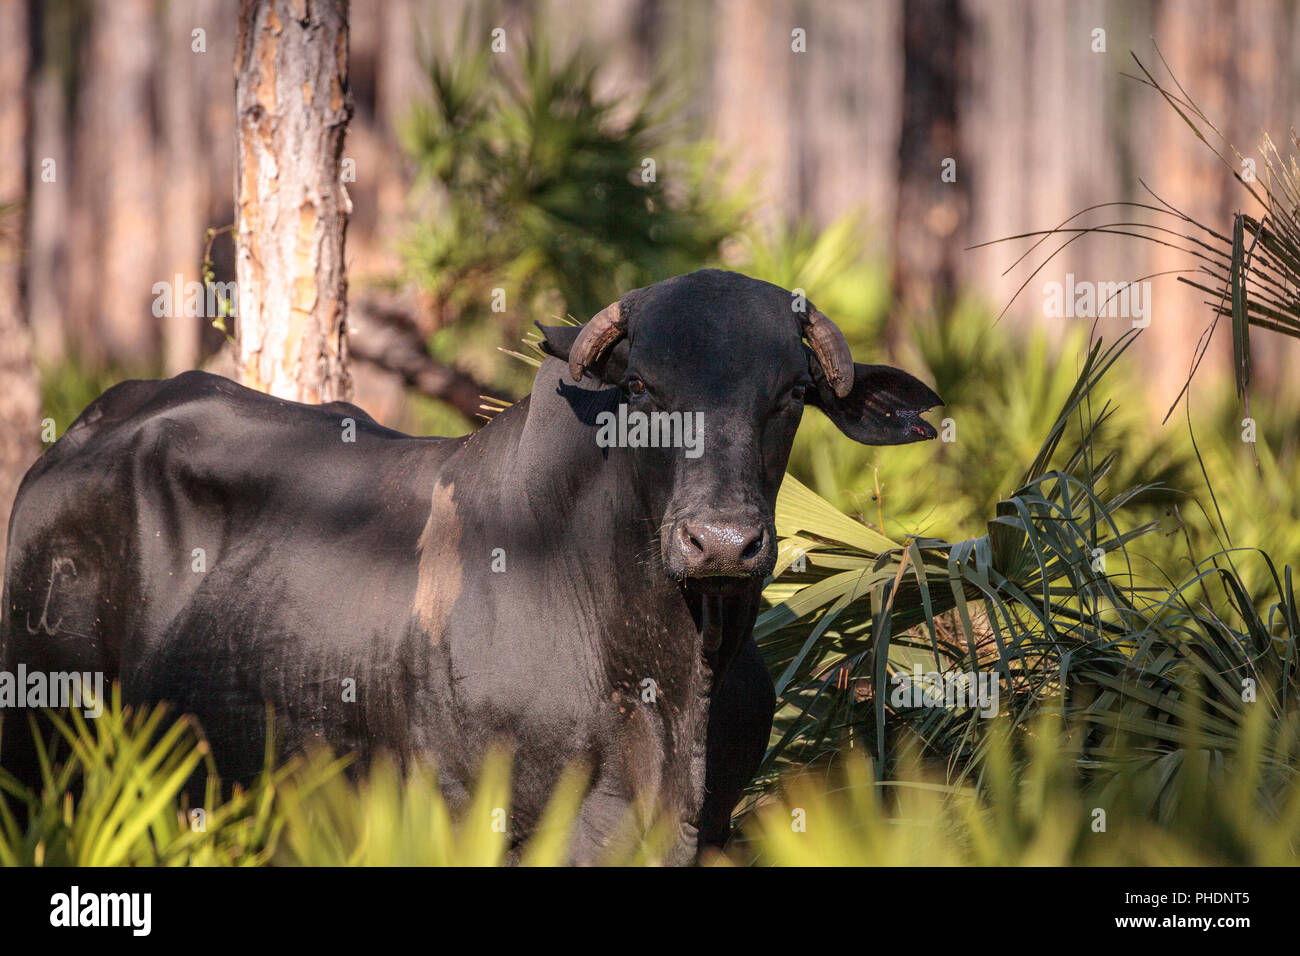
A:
x: 293, y: 105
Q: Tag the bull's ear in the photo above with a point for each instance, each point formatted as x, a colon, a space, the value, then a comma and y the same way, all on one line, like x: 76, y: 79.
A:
x: 557, y: 340
x: 883, y: 408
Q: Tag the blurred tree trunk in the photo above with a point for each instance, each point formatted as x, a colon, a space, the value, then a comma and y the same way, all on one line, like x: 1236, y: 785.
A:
x: 19, y: 396
x: 48, y: 270
x: 293, y: 106
x: 1190, y: 177
x: 931, y: 213
x: 748, y: 102
x: 185, y: 75
x: 114, y: 216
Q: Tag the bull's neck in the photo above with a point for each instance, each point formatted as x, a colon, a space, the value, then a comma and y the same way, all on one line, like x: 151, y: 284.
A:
x: 557, y: 490
x: 585, y: 519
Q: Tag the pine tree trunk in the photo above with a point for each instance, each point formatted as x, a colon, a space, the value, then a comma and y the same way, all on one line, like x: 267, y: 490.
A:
x: 293, y: 105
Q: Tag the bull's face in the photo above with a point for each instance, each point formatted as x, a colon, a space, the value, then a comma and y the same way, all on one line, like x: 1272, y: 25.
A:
x: 742, y: 358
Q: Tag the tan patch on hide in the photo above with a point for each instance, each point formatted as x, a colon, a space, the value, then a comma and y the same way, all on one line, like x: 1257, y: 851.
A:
x: 439, y: 582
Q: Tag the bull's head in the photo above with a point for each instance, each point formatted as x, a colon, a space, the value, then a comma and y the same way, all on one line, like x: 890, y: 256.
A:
x: 749, y: 356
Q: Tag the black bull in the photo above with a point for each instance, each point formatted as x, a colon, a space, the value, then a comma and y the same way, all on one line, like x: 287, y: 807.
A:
x: 223, y: 550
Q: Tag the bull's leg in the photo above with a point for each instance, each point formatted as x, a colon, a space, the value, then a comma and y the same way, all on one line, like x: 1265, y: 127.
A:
x: 740, y: 722
x: 603, y: 824
x: 610, y: 825
x: 632, y: 796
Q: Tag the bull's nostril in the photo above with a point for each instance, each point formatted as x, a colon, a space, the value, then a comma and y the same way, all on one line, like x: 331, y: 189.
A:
x: 708, y: 548
x: 690, y: 539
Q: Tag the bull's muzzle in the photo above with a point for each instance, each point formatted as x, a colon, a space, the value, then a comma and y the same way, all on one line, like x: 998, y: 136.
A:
x: 706, y: 548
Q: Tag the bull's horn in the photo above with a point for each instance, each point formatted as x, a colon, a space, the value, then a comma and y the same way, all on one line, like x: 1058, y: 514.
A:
x: 832, y: 351
x: 605, y: 328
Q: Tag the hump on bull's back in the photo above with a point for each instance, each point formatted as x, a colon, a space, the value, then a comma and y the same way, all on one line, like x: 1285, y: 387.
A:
x: 439, y: 582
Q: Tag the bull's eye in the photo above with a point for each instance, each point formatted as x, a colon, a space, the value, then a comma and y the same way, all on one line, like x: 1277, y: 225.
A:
x: 798, y: 392
x: 635, y: 386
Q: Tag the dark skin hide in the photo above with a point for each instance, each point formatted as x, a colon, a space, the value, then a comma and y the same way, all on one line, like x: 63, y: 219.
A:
x: 377, y: 562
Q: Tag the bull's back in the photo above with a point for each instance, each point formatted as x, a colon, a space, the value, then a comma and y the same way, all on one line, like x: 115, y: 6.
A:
x: 218, y: 548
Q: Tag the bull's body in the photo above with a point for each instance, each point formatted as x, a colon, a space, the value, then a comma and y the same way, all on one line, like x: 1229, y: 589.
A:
x: 351, y: 584
x: 227, y: 552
